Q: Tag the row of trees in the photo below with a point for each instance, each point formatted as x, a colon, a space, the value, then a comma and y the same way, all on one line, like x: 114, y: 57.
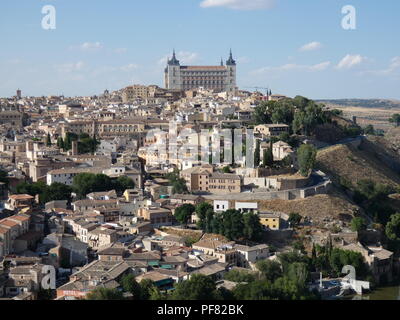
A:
x: 86, y: 144
x: 86, y: 183
x: 199, y: 287
x: 330, y: 261
x: 373, y: 197
x: 83, y: 184
x: 57, y: 191
x: 268, y: 157
x: 284, y: 279
x: 300, y: 114
x: 232, y: 224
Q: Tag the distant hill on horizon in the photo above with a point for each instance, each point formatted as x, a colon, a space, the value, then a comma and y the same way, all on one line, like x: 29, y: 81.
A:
x: 363, y: 103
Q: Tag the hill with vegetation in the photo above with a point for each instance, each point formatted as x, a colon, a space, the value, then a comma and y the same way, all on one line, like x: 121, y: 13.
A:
x: 348, y: 165
x: 368, y: 174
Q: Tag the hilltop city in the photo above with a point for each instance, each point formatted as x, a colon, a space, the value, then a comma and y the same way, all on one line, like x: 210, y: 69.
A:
x: 198, y: 190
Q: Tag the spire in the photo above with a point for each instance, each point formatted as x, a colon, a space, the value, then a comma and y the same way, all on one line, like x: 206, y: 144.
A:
x: 222, y: 62
x: 174, y: 61
x: 231, y: 61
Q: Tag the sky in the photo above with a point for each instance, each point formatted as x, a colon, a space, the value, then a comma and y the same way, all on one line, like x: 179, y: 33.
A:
x: 293, y: 47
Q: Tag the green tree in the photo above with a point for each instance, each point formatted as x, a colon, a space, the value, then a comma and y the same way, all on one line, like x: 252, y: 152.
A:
x: 85, y: 183
x: 239, y: 276
x: 198, y: 287
x: 291, y: 140
x: 123, y: 183
x: 253, y: 229
x: 309, y: 116
x: 268, y: 157
x: 369, y: 129
x: 295, y: 219
x: 60, y: 143
x: 233, y: 226
x: 32, y: 189
x: 261, y: 114
x: 227, y: 169
x: 211, y: 222
x: 257, y: 154
x: 57, y: 191
x: 69, y: 138
x: 201, y: 212
x: 178, y: 184
x: 358, y: 224
x: 393, y: 228
x: 283, y: 112
x: 395, y: 119
x: 4, y: 177
x: 306, y: 155
x: 298, y: 272
x: 270, y: 270
x: 105, y: 294
x: 184, y: 213
x: 48, y: 140
x: 87, y: 144
x: 129, y: 284
x: 149, y: 291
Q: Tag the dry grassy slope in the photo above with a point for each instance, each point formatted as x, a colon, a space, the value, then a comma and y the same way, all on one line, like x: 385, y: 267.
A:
x: 392, y: 139
x: 353, y: 164
x: 330, y: 206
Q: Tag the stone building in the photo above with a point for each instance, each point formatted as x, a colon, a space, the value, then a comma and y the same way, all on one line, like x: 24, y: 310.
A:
x: 218, y: 78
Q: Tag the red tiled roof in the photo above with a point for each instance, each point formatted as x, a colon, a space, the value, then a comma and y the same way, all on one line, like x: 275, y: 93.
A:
x: 21, y: 197
x: 8, y: 223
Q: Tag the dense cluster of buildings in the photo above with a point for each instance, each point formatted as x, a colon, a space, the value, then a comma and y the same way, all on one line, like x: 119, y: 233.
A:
x: 94, y: 240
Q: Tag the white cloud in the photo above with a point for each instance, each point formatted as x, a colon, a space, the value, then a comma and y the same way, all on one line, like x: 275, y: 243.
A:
x: 128, y: 67
x: 311, y: 46
x: 292, y: 66
x: 185, y: 57
x: 87, y: 46
x: 321, y: 66
x: 121, y: 50
x: 70, y: 67
x: 392, y: 68
x: 91, y: 45
x: 238, y: 4
x: 350, y: 61
x: 395, y: 63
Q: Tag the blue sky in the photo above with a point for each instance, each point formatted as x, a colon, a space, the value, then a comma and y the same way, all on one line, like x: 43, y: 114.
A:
x: 294, y: 47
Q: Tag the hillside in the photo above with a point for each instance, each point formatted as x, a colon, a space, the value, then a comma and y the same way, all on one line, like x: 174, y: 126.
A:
x: 319, y: 208
x: 363, y: 103
x: 369, y: 161
x: 392, y: 139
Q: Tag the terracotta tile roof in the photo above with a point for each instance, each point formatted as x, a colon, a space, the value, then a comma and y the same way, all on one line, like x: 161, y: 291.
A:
x: 8, y: 223
x: 21, y: 197
x: 20, y: 218
x: 3, y: 231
